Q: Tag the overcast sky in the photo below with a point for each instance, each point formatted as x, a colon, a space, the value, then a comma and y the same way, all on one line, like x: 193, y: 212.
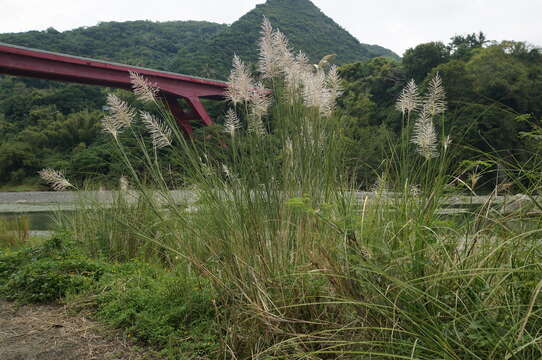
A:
x: 395, y: 24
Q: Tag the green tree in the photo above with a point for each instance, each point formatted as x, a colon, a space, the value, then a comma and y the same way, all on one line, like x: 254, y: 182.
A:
x: 419, y: 61
x: 462, y: 46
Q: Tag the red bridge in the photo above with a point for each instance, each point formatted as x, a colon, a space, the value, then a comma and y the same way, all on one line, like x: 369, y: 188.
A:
x: 20, y: 61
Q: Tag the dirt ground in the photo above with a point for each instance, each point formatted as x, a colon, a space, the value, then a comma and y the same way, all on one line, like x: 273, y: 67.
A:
x: 49, y: 333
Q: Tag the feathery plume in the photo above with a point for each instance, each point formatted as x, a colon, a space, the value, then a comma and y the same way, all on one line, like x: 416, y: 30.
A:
x: 333, y: 81
x: 294, y: 74
x: 326, y: 60
x: 160, y: 133
x: 332, y: 92
x: 55, y: 179
x: 302, y: 61
x: 240, y: 83
x: 267, y: 64
x: 109, y: 125
x: 120, y: 116
x: 313, y: 89
x: 409, y: 100
x: 316, y: 92
x: 328, y: 105
x: 275, y: 55
x: 425, y: 136
x: 143, y: 88
x: 447, y: 142
x: 232, y: 122
x: 260, y: 100
x: 281, y: 48
x: 435, y: 101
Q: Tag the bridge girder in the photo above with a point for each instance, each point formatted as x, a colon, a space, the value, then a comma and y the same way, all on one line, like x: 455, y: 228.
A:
x: 20, y: 61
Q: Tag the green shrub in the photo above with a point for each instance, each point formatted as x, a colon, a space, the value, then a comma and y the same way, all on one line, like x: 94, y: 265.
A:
x: 45, y: 273
x: 50, y: 280
x: 11, y: 261
x: 170, y: 310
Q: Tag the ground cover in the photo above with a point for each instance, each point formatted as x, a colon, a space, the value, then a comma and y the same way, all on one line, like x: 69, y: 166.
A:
x: 153, y: 306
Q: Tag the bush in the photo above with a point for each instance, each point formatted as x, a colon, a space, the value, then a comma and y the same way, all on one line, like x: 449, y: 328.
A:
x: 170, y: 310
x: 12, y: 261
x: 51, y: 280
x: 46, y: 273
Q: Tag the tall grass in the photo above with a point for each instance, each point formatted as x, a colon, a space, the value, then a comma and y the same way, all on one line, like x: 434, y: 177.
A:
x: 305, y: 268
x: 114, y: 227
x: 14, y: 232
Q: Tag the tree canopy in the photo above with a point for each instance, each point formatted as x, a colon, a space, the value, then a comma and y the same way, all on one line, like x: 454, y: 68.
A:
x: 494, y: 93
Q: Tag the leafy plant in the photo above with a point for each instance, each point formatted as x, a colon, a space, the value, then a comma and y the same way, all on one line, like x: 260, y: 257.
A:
x: 46, y: 273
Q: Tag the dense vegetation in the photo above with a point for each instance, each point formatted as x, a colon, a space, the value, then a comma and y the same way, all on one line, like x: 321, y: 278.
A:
x: 53, y: 124
x: 139, y: 43
x: 301, y: 21
x: 45, y: 124
x: 274, y: 255
x: 494, y: 92
x: 155, y: 306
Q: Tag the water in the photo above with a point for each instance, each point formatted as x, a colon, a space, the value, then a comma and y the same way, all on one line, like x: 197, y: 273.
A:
x: 40, y: 208
x: 39, y: 221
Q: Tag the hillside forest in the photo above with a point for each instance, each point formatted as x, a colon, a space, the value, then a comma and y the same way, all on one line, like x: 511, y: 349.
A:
x: 494, y: 91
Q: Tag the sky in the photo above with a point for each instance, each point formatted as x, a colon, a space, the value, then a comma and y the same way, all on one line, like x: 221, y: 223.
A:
x: 394, y: 24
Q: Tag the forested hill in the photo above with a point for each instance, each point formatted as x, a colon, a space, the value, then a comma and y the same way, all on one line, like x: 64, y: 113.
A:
x: 54, y: 124
x: 140, y: 43
x: 305, y: 25
x: 50, y: 124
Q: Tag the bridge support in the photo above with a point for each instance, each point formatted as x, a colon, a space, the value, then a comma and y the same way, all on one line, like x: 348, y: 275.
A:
x: 19, y: 61
x: 182, y: 117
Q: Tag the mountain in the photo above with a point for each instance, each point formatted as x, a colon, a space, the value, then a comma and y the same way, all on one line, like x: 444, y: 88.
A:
x: 140, y: 43
x: 204, y: 48
x: 305, y: 25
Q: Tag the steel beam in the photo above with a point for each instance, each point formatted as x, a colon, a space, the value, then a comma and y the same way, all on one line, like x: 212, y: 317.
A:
x: 19, y: 61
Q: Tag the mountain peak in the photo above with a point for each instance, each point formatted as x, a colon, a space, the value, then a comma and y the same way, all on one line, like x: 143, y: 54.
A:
x: 306, y: 26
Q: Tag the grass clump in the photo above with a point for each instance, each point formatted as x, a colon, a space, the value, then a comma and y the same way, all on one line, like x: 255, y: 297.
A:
x: 14, y: 231
x: 299, y: 264
x: 118, y: 229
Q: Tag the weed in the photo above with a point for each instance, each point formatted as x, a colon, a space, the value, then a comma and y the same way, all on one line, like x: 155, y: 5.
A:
x: 14, y: 232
